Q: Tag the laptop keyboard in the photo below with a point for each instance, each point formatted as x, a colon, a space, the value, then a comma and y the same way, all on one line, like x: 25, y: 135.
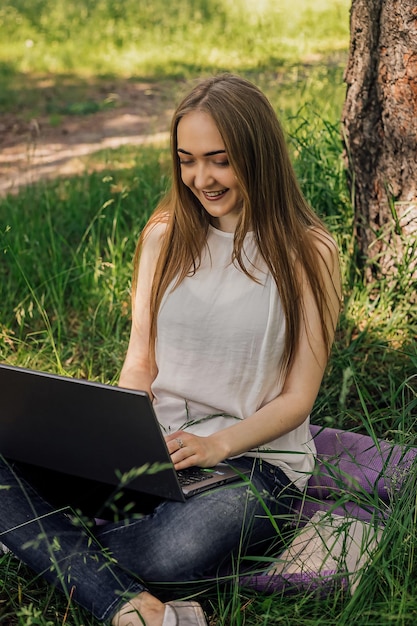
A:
x: 193, y: 475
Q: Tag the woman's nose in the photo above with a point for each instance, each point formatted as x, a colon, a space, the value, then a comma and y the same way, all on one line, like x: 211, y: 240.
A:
x: 202, y: 176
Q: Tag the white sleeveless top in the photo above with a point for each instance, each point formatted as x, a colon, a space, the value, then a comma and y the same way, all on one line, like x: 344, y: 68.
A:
x: 220, y: 339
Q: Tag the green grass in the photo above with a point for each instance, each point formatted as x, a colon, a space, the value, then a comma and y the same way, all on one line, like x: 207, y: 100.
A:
x: 162, y: 38
x: 82, y: 233
x: 54, y: 52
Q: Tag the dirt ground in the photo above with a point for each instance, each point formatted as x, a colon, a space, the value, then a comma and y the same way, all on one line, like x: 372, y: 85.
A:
x: 47, y: 146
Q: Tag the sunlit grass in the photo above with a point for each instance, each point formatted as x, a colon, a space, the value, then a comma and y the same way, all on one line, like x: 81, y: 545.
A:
x: 55, y: 53
x: 83, y: 233
x: 167, y: 38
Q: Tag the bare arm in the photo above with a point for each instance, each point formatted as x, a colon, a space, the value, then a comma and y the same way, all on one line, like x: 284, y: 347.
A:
x: 293, y: 405
x: 138, y: 372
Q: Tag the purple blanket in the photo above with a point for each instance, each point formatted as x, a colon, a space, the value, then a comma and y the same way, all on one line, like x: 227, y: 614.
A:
x: 356, y: 478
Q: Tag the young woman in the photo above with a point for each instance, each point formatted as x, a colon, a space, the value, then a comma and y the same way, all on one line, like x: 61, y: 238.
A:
x: 235, y: 303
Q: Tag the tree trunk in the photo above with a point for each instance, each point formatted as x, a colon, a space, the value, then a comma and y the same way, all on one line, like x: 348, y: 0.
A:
x: 380, y: 132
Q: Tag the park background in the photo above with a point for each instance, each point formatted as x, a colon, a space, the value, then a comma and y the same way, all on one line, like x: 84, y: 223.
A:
x: 67, y: 241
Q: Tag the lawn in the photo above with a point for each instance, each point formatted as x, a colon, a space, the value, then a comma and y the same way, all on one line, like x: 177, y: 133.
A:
x: 66, y: 246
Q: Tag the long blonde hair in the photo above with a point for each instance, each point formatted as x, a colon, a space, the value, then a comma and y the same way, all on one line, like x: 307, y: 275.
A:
x: 273, y: 206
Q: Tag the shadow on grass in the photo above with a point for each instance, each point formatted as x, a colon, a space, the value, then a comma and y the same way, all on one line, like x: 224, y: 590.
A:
x: 42, y: 94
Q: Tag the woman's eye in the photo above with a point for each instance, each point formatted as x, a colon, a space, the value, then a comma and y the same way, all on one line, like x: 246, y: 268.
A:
x: 222, y: 163
x: 182, y: 162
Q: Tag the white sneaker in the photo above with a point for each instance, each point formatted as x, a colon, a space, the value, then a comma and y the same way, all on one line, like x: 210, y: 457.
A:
x: 186, y: 613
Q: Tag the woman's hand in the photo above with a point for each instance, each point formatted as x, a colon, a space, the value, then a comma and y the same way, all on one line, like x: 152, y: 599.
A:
x: 187, y: 450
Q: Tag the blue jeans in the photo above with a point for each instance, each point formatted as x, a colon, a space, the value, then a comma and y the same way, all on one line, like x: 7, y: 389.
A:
x: 101, y: 566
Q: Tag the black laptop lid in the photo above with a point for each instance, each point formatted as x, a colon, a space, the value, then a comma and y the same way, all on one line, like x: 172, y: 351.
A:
x: 84, y: 429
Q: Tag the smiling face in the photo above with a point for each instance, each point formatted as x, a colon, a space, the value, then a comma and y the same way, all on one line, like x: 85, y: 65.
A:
x: 206, y: 171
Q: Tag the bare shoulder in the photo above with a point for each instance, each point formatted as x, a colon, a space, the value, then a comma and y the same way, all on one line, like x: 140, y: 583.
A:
x: 155, y: 229
x: 323, y: 242
x: 152, y: 235
x: 326, y: 248
x: 328, y: 263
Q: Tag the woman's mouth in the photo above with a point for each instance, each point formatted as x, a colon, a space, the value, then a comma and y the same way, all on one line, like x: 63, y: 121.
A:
x: 214, y: 195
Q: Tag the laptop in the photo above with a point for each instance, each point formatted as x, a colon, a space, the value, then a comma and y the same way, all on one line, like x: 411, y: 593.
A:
x: 91, y: 445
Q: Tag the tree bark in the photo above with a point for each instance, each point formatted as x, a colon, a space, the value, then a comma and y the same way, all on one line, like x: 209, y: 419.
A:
x: 379, y: 123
